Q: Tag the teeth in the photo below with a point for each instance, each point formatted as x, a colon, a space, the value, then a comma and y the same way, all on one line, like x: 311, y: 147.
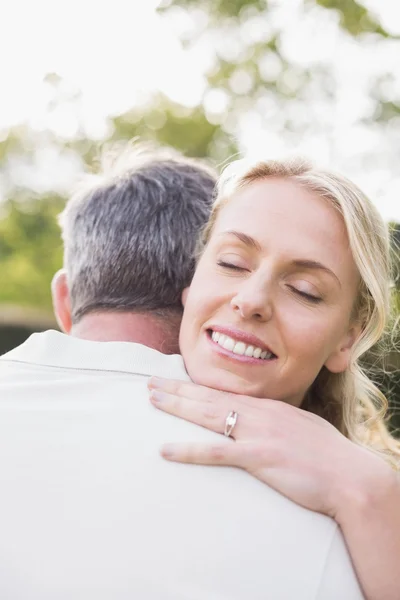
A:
x: 249, y: 351
x: 229, y: 343
x: 240, y: 347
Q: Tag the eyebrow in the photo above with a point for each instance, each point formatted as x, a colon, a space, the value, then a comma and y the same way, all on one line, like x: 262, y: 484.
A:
x: 246, y: 239
x: 313, y: 264
x: 301, y: 263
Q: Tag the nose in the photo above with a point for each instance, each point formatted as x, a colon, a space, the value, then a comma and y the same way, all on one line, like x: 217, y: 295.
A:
x: 253, y: 301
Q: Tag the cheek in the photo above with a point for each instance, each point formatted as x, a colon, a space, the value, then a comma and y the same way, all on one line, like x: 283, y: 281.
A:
x: 310, y: 336
x: 206, y: 295
x: 205, y: 300
x: 197, y: 309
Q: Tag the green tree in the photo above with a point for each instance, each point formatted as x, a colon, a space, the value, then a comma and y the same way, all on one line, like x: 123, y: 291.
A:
x: 30, y: 250
x: 251, y: 69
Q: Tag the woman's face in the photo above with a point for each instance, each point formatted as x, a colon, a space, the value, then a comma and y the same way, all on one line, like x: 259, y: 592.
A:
x: 272, y: 296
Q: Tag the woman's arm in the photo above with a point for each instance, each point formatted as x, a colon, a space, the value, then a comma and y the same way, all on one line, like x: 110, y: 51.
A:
x: 369, y: 516
x: 306, y: 459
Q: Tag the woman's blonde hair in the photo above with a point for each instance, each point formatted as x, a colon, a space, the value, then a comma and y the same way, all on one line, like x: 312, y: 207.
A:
x: 349, y: 400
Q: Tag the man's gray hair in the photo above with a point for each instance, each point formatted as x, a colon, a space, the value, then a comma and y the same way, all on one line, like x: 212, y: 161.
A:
x: 130, y: 237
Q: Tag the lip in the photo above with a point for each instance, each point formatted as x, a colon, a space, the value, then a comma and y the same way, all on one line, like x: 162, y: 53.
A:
x: 242, y: 336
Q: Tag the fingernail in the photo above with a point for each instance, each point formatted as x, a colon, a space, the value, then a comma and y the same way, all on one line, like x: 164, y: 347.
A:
x: 167, y: 451
x: 157, y: 396
x: 155, y: 382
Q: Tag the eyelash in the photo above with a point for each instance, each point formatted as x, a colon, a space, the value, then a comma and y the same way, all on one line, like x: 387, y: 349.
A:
x: 226, y: 265
x: 309, y: 297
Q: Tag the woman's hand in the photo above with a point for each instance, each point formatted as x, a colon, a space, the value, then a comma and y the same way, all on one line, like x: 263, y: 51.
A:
x: 306, y: 459
x: 296, y: 452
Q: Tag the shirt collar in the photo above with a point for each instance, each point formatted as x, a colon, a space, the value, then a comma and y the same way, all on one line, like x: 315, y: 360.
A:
x: 55, y: 349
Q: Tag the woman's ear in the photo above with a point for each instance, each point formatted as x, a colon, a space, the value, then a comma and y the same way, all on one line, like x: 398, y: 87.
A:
x: 185, y: 295
x: 339, y: 360
x: 61, y: 300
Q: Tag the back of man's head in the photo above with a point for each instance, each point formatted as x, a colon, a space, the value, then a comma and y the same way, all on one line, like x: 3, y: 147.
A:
x: 129, y: 238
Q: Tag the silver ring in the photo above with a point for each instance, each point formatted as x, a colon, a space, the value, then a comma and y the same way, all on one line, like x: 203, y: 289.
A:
x: 230, y: 423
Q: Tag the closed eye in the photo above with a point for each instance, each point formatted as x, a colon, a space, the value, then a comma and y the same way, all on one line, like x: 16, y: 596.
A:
x: 231, y: 266
x: 309, y: 297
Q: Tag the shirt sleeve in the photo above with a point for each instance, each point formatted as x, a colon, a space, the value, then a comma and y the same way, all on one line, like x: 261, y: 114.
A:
x: 338, y: 578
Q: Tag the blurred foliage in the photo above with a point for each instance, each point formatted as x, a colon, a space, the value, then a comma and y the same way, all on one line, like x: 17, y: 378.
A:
x: 249, y: 73
x: 249, y: 68
x: 30, y: 250
x: 219, y: 8
x: 170, y: 124
x: 354, y: 17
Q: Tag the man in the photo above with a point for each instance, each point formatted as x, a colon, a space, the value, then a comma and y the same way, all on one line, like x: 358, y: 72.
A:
x: 88, y: 508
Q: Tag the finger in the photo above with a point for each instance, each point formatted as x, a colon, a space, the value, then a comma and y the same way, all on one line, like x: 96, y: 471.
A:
x: 187, y: 389
x: 201, y: 393
x: 210, y: 416
x: 222, y: 454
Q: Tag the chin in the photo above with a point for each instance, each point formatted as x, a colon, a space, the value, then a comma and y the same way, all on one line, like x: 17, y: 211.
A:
x: 227, y: 382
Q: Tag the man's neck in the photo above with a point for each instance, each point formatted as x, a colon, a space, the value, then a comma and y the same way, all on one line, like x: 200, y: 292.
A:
x: 141, y: 328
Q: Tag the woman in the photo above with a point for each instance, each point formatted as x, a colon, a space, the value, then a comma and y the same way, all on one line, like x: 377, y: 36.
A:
x: 291, y: 288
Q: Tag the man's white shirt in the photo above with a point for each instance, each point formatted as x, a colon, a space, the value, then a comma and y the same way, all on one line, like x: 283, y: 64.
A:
x: 90, y: 511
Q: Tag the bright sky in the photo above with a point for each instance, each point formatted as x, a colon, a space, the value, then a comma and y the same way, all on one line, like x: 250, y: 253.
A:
x: 116, y: 53
x: 113, y: 52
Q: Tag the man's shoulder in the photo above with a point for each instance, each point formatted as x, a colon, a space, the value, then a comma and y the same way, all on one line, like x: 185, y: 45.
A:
x: 57, y: 350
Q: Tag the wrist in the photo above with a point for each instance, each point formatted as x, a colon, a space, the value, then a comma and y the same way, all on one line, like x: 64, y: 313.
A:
x: 370, y: 492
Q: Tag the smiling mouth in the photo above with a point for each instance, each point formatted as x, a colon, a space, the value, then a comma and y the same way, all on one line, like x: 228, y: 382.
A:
x: 239, y: 347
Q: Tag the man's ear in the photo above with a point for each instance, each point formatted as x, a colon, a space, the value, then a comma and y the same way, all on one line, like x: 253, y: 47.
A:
x: 61, y: 300
x: 185, y: 295
x: 339, y: 360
